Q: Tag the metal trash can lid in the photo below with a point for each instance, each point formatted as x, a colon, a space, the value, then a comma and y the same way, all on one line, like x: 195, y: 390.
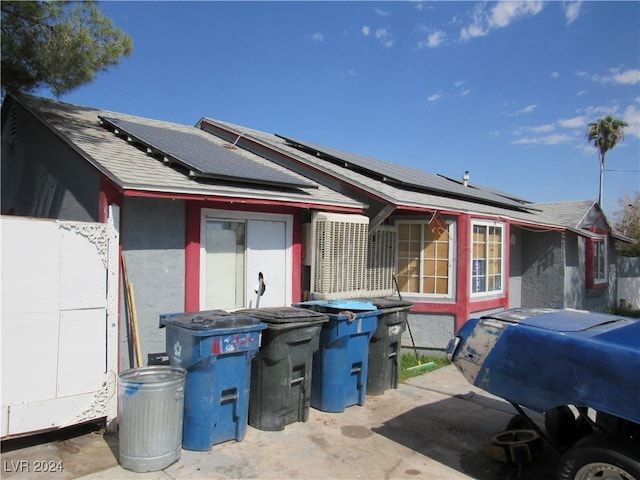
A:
x: 219, y: 322
x: 285, y: 315
x: 152, y: 374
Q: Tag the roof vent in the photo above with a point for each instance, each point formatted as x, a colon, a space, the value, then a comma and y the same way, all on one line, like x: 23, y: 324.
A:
x: 465, y: 179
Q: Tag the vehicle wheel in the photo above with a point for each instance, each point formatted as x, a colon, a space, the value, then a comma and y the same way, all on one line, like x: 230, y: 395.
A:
x: 564, y: 428
x: 602, y: 457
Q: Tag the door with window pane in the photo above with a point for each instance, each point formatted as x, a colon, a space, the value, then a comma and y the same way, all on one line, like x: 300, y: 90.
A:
x: 236, y: 252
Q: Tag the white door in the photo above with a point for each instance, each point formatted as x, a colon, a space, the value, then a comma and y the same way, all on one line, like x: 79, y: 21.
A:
x: 266, y: 254
x: 237, y: 248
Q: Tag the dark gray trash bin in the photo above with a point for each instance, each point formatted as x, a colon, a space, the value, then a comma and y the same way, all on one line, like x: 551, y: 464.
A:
x: 385, y: 344
x: 281, y: 371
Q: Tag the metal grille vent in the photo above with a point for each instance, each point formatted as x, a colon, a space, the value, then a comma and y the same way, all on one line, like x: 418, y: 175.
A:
x: 339, y: 263
x: 381, y: 261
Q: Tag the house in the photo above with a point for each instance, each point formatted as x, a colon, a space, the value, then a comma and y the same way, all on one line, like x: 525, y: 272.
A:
x: 459, y: 249
x: 191, y: 240
x: 316, y: 222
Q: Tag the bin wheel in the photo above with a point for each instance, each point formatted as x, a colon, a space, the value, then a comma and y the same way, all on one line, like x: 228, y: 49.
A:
x: 602, y: 456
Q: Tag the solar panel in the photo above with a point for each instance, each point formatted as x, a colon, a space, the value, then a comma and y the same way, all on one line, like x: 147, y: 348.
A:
x: 202, y: 156
x: 404, y: 175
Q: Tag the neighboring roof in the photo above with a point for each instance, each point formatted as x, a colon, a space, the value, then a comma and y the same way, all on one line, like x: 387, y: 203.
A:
x: 569, y: 214
x: 131, y: 168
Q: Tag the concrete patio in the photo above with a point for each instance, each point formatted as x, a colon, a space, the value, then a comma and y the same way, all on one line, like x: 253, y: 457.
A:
x: 434, y: 426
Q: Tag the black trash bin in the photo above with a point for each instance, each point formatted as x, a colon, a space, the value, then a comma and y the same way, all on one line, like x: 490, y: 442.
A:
x: 385, y: 344
x: 281, y: 371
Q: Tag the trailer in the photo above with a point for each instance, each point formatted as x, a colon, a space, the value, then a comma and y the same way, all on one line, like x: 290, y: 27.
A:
x: 580, y: 369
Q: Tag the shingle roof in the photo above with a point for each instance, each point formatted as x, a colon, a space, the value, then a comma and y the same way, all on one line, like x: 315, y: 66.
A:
x: 132, y: 169
x: 568, y: 214
x: 564, y: 215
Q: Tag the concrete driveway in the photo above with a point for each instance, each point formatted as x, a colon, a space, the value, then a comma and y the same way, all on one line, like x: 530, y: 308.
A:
x: 432, y: 427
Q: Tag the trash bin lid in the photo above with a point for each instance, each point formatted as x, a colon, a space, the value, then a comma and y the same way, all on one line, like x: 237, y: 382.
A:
x: 285, y: 315
x: 178, y: 317
x: 219, y: 322
x: 389, y: 302
x: 341, y: 304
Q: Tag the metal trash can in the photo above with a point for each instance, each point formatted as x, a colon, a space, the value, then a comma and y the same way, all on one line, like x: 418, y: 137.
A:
x: 340, y: 365
x: 150, y: 403
x: 386, y: 344
x: 281, y: 372
x: 216, y: 348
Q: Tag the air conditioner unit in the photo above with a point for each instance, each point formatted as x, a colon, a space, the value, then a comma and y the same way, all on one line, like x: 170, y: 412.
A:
x: 339, y: 255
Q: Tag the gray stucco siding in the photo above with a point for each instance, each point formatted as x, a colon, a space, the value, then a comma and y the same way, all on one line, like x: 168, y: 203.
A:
x: 153, y: 242
x: 543, y: 269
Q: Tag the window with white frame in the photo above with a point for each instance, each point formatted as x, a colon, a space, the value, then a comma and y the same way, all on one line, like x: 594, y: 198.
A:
x: 425, y: 258
x: 487, y: 262
x: 598, y: 273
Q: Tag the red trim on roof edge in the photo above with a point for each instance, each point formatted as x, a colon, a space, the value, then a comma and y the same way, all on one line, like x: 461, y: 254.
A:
x: 244, y: 201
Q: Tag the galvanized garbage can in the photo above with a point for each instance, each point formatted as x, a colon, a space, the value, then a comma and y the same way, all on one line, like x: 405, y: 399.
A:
x: 151, y: 405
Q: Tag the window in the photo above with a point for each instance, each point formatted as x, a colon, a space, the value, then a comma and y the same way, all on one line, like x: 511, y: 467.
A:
x: 487, y: 265
x: 597, y: 263
x: 424, y: 258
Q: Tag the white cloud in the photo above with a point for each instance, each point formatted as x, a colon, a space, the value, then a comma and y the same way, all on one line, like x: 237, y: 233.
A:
x: 502, y: 14
x: 630, y: 77
x: 631, y: 115
x: 381, y: 12
x: 572, y: 11
x: 385, y: 37
x: 317, y: 37
x: 459, y: 83
x: 435, y: 39
x: 466, y: 92
x: 627, y: 77
x: 526, y: 110
x: 556, y: 139
x: 575, y: 122
x: 434, y: 97
x: 366, y: 31
x: 546, y: 128
x: 555, y: 74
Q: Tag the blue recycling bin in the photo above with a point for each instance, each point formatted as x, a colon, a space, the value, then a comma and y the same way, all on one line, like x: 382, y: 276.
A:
x: 216, y: 349
x: 339, y: 377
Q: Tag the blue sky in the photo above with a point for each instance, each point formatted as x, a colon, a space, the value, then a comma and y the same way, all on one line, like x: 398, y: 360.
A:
x: 502, y: 89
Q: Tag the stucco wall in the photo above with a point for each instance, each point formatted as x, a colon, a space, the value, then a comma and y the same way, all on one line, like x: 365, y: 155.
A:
x: 542, y: 269
x: 153, y: 242
x: 629, y: 281
x: 431, y: 333
x: 41, y: 175
x: 515, y: 268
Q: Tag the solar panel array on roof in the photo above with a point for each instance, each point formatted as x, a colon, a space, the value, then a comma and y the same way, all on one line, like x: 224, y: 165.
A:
x: 403, y: 175
x: 203, y: 157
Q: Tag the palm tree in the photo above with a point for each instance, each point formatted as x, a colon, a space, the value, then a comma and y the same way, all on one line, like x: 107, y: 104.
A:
x: 605, y: 133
